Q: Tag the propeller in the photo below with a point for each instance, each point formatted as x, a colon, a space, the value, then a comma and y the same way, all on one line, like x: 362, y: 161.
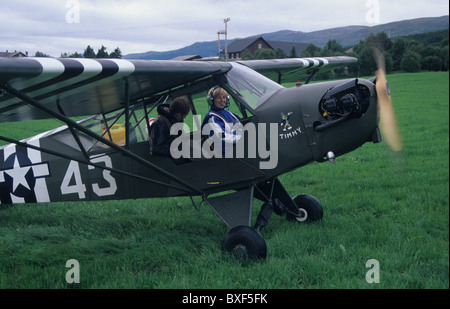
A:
x: 388, y: 120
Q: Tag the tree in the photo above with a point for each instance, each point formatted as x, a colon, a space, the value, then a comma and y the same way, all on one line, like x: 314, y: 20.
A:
x: 445, y: 56
x: 410, y: 61
x: 102, y: 53
x: 332, y: 48
x: 247, y: 55
x: 117, y: 53
x: 431, y: 63
x: 397, y: 51
x: 311, y: 51
x: 380, y: 41
x: 388, y: 62
x: 89, y: 52
x: 429, y: 51
x: 366, y: 61
x: 279, y: 53
x: 293, y: 53
x: 39, y: 54
x: 75, y: 55
x: 265, y: 53
x: 415, y: 46
x: 410, y: 53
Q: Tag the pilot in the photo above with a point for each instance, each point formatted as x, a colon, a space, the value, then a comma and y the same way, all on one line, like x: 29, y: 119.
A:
x: 168, y: 115
x: 223, y: 124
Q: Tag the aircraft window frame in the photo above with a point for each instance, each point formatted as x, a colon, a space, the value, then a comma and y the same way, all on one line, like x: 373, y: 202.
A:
x: 196, y: 93
x: 251, y: 86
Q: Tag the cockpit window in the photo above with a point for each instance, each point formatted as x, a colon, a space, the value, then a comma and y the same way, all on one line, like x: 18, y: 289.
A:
x: 252, y: 86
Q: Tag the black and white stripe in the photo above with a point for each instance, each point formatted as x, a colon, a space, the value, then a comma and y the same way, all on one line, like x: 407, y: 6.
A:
x: 57, y: 78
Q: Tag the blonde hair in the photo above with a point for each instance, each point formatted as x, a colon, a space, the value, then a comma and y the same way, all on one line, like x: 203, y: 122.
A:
x: 216, y: 91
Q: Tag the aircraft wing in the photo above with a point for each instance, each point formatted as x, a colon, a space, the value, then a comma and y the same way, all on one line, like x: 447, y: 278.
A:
x: 82, y: 87
x: 294, y: 69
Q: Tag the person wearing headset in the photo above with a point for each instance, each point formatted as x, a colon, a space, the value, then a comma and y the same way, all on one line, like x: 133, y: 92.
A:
x: 223, y: 124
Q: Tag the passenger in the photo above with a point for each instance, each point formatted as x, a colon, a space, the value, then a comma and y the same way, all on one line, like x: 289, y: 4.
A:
x: 168, y: 115
x: 224, y: 124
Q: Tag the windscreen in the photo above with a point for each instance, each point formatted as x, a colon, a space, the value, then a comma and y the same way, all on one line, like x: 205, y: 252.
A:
x: 254, y: 88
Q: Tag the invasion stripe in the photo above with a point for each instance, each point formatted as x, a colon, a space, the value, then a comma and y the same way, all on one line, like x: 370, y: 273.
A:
x: 50, y: 68
x: 304, y: 62
x: 111, y: 70
x: 64, y: 84
x: 71, y: 69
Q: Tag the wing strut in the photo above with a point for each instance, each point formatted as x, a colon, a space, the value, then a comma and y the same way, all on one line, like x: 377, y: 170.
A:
x: 71, y: 123
x: 74, y: 133
x: 313, y: 73
x: 127, y: 115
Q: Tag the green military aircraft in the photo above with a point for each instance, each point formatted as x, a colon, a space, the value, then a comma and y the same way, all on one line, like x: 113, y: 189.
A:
x: 105, y: 155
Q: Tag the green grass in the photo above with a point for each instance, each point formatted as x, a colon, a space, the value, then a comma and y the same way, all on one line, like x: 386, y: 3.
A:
x: 377, y: 205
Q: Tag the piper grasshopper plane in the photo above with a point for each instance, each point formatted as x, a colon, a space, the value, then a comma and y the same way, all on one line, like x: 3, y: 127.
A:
x: 105, y: 156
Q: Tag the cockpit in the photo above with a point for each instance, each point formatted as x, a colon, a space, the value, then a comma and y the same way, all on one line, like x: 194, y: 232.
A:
x: 248, y: 91
x: 253, y: 88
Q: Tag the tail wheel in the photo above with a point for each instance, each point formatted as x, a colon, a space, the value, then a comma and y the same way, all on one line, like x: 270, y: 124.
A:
x: 309, y: 209
x: 245, y: 242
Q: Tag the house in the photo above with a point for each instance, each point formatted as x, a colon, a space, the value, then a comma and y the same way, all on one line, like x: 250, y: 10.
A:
x: 13, y: 54
x: 236, y: 48
x: 254, y: 44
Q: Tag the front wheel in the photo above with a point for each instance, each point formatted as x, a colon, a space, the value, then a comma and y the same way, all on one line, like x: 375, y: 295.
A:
x: 309, y: 209
x: 245, y: 242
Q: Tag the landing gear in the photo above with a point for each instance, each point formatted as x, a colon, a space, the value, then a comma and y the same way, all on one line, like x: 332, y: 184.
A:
x: 309, y: 209
x: 302, y: 208
x: 245, y: 242
x: 235, y: 209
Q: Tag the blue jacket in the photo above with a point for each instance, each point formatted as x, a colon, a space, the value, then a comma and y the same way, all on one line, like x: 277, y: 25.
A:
x: 224, y: 124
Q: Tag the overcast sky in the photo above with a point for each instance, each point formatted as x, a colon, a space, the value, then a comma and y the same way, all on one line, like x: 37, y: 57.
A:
x: 57, y: 26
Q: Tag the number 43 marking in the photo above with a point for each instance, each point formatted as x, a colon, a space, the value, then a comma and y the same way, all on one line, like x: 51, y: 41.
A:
x: 78, y: 187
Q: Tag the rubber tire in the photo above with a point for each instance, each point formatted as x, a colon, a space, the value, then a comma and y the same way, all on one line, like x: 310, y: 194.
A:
x: 309, y: 206
x: 245, y: 242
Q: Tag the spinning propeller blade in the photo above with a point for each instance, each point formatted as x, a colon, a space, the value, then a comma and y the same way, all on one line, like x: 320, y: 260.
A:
x: 388, y: 120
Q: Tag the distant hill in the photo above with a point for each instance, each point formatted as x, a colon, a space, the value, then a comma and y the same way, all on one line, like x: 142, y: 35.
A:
x: 204, y: 49
x: 346, y: 36
x: 349, y: 36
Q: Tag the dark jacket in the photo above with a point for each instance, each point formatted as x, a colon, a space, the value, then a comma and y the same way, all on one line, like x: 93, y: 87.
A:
x: 160, y: 138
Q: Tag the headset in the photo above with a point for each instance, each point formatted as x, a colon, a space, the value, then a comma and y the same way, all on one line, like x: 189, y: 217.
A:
x: 210, y: 97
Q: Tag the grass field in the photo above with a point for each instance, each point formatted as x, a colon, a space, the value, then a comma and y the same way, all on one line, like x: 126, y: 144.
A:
x: 393, y: 208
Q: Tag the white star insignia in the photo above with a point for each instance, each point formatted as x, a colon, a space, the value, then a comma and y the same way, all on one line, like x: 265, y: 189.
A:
x: 18, y: 175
